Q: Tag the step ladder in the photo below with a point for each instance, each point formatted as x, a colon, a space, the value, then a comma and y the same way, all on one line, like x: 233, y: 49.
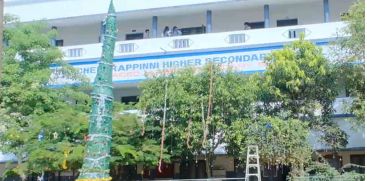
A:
x: 253, y: 163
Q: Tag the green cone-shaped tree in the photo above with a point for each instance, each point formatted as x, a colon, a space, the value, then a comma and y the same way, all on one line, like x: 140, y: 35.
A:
x: 97, y: 153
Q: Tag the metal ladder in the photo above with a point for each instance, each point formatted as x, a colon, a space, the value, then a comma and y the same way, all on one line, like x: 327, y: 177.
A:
x: 253, y: 155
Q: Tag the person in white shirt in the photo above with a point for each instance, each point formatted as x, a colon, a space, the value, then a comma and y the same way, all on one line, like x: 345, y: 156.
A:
x: 166, y: 32
x: 176, y: 31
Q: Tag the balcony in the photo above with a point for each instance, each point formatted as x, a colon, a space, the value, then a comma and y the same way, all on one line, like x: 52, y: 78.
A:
x: 70, y: 11
x: 205, y: 42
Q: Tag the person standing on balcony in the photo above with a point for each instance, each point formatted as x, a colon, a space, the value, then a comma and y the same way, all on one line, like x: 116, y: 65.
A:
x: 147, y: 33
x: 176, y: 31
x: 166, y: 32
x: 247, y: 26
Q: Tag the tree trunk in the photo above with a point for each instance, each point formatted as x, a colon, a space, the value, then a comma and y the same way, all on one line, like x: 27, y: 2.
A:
x: 22, y: 176
x: 207, y: 166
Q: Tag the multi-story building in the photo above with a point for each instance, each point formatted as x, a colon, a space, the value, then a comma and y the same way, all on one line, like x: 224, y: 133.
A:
x: 238, y: 32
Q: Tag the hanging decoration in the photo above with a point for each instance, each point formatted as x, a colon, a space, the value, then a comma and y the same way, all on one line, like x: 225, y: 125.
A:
x: 55, y: 135
x: 206, y: 122
x: 64, y: 163
x: 163, y: 126
x: 97, y: 153
x: 188, y: 137
x: 143, y: 122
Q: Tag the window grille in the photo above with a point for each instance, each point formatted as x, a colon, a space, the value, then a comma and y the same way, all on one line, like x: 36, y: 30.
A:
x: 127, y: 48
x: 237, y: 38
x: 181, y: 43
x: 75, y: 52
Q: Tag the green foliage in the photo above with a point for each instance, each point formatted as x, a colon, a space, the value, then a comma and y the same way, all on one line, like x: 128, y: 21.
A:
x: 353, y: 176
x: 350, y: 58
x: 64, y: 131
x: 323, y: 171
x: 354, y: 42
x: 130, y: 145
x: 29, y: 104
x: 300, y: 83
x: 26, y: 67
x: 281, y: 142
x: 189, y: 116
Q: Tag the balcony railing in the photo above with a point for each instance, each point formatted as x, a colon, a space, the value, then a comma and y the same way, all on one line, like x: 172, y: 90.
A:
x: 225, y: 40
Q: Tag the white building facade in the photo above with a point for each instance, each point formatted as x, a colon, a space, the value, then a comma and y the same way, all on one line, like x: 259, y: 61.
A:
x: 239, y: 33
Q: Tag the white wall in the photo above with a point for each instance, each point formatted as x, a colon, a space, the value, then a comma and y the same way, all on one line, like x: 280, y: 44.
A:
x: 126, y: 27
x: 86, y: 34
x: 51, y: 9
x: 230, y: 20
x: 356, y: 136
x: 337, y: 7
x: 307, y: 13
x: 217, y: 40
x: 223, y: 20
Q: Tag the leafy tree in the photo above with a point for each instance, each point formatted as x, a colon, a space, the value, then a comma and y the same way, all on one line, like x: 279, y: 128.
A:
x: 300, y: 83
x: 281, y: 142
x: 30, y: 106
x: 323, y: 171
x: 200, y: 107
x: 353, y: 43
x: 45, y: 127
x: 132, y: 144
x: 350, y: 57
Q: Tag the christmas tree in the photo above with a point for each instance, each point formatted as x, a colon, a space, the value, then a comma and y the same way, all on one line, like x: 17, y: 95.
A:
x: 97, y: 154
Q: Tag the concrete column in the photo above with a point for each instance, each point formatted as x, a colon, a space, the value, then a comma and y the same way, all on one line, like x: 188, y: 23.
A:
x: 208, y: 21
x: 326, y: 11
x: 102, y: 31
x: 266, y: 16
x: 155, y: 27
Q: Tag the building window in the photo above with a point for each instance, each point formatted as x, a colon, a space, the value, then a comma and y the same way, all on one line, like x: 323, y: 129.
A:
x: 287, y: 22
x: 334, y: 160
x: 193, y: 30
x: 134, y: 36
x: 59, y: 43
x: 358, y: 160
x: 129, y: 99
x: 254, y: 25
